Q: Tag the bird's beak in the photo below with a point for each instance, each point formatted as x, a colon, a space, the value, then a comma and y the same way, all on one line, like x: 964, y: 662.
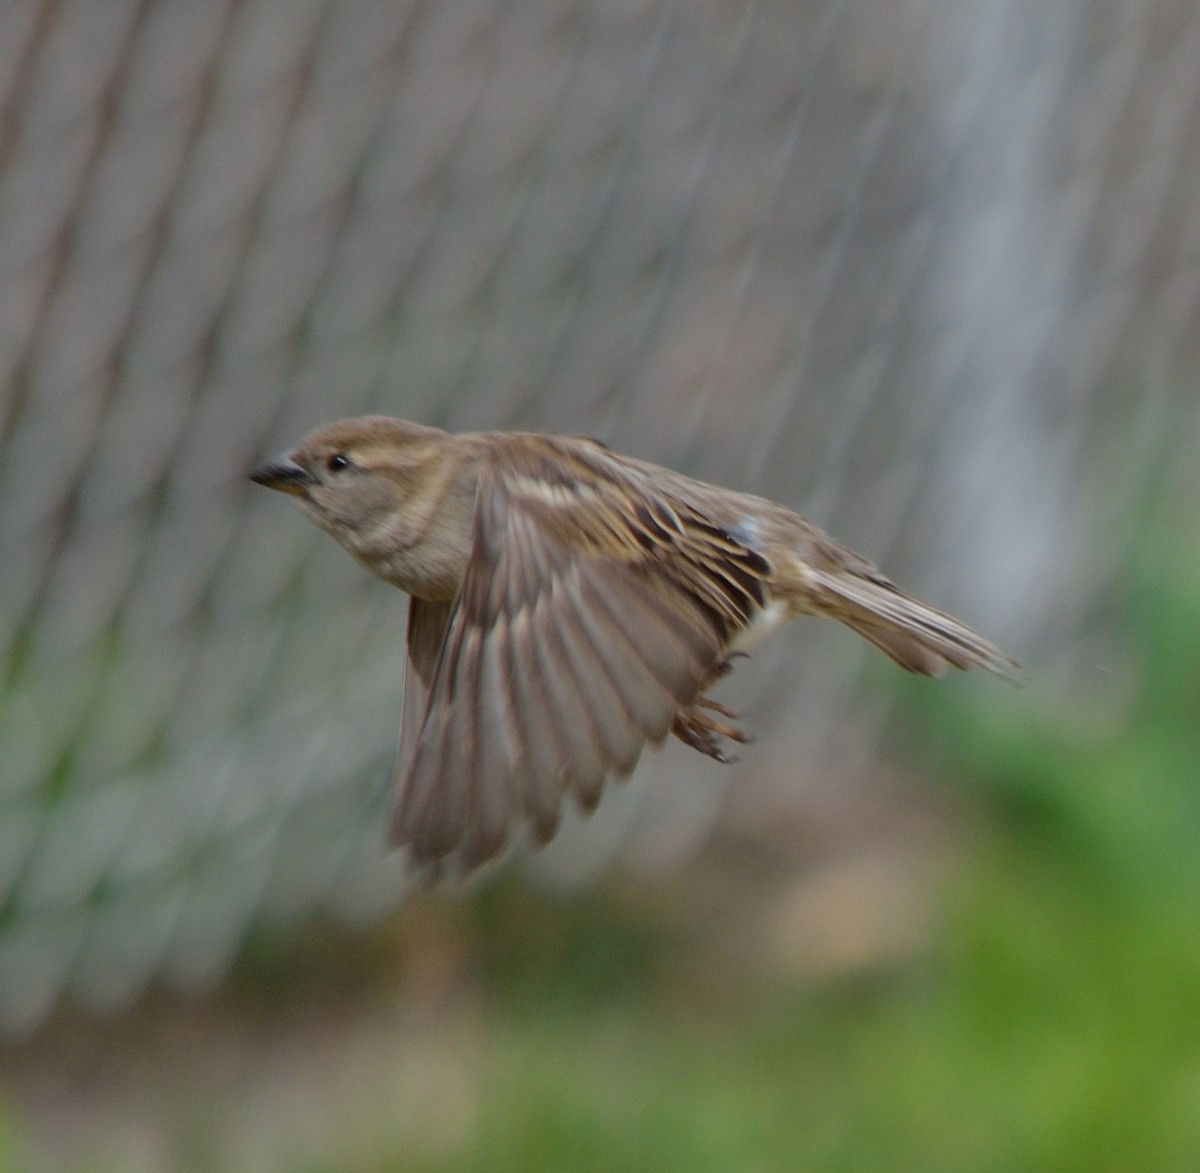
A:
x: 283, y: 474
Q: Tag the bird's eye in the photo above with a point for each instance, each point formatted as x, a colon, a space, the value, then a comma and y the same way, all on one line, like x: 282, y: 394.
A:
x: 336, y: 461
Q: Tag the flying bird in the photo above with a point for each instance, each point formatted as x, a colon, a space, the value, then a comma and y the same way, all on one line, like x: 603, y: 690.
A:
x: 570, y: 605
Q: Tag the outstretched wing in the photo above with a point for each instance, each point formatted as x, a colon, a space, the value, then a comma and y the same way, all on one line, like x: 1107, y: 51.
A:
x: 591, y: 611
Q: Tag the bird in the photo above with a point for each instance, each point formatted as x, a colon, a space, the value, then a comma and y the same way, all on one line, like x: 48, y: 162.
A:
x: 569, y: 606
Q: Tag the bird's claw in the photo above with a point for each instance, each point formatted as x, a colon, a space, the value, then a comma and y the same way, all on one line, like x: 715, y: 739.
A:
x: 724, y: 666
x: 701, y: 732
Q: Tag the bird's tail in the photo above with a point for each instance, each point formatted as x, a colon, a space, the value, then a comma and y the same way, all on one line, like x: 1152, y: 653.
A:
x: 918, y: 637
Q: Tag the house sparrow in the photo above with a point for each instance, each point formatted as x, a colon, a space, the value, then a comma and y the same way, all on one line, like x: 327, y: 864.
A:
x: 570, y: 605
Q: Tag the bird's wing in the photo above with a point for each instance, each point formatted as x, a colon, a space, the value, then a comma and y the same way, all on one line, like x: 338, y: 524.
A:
x: 591, y: 611
x: 427, y: 623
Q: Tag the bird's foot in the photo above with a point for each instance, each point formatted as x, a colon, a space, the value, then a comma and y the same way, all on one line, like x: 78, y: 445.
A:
x: 722, y: 668
x: 702, y: 732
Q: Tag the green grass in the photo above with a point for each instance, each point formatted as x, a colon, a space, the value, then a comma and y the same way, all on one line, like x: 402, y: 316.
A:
x: 1048, y: 1031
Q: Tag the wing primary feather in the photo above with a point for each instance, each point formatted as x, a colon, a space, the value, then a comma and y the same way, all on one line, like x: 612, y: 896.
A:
x: 649, y: 701
x: 618, y: 735
x: 677, y: 653
x: 427, y: 626
x: 445, y: 757
x: 497, y: 685
x: 541, y: 767
x: 646, y: 704
x: 420, y: 775
x: 570, y: 713
x: 487, y: 829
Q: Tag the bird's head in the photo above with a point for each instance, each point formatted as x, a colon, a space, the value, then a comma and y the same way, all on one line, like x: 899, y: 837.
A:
x: 375, y: 483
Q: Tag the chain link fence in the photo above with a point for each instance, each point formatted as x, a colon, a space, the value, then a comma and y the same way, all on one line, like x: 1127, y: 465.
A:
x: 926, y: 270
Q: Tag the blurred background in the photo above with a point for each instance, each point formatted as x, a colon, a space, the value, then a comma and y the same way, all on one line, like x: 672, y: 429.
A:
x: 927, y: 271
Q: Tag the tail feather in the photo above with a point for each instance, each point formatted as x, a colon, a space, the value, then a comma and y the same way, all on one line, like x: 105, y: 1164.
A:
x: 918, y: 637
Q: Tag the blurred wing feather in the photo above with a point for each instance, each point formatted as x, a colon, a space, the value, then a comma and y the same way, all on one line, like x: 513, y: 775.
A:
x: 582, y: 625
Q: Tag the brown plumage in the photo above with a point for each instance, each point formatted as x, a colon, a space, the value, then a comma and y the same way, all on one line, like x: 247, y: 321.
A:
x: 570, y: 605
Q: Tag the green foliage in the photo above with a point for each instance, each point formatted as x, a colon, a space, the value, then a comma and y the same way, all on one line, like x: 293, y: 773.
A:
x: 12, y: 1148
